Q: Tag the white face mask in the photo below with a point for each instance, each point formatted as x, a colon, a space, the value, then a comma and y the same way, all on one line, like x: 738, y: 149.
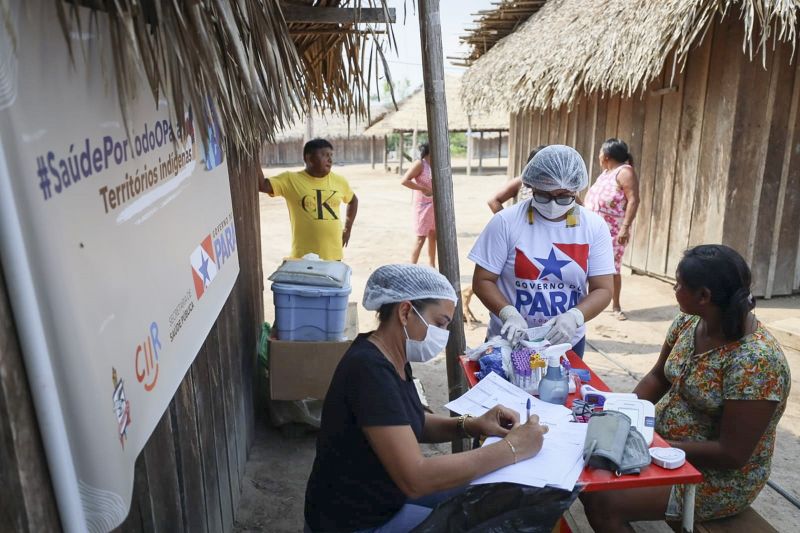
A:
x: 434, y: 342
x: 552, y: 210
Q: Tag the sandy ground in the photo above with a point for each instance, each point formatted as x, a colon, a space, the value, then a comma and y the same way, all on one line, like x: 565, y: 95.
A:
x: 620, y: 352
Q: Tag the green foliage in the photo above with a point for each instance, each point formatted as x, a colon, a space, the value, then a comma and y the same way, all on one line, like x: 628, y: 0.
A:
x: 458, y: 143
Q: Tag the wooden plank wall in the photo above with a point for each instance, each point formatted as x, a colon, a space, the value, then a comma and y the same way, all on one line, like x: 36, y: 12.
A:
x: 488, y: 147
x: 717, y: 151
x: 188, y: 477
x: 346, y: 150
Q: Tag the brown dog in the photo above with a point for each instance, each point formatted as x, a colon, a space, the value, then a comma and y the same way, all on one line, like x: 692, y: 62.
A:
x: 466, y: 296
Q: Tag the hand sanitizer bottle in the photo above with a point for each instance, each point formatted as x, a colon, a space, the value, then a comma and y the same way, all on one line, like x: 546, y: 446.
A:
x: 554, y: 386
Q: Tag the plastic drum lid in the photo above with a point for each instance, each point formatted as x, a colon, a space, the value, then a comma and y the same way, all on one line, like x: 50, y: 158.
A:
x: 669, y: 458
x: 316, y: 273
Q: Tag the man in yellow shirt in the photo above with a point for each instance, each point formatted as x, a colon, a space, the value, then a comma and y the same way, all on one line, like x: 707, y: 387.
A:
x: 314, y: 197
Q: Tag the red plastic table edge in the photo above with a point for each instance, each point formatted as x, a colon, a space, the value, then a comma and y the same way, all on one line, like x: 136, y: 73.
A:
x: 593, y: 479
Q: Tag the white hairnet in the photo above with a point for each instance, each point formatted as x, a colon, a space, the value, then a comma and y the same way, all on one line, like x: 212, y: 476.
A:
x: 556, y: 167
x: 398, y: 283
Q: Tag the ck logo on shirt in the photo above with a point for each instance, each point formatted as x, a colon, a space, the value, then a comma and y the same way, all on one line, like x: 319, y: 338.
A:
x: 318, y: 206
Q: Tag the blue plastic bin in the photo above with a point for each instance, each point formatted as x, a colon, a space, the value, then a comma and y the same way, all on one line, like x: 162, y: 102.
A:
x: 306, y: 313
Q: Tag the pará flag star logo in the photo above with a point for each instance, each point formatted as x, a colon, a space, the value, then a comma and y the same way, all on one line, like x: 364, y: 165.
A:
x: 204, y: 266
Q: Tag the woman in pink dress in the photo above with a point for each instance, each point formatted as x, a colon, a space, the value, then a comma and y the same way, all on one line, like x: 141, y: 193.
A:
x: 419, y: 179
x: 615, y: 197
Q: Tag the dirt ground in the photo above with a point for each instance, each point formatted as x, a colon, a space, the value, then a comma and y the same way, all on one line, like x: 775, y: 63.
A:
x: 620, y: 352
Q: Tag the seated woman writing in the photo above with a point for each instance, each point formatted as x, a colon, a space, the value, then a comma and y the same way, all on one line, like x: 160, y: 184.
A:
x: 369, y: 473
x: 721, y: 385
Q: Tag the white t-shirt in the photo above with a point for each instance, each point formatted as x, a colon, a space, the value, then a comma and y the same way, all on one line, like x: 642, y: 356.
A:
x: 544, y: 266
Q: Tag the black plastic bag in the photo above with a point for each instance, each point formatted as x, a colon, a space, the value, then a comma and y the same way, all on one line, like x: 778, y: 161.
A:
x: 500, y: 507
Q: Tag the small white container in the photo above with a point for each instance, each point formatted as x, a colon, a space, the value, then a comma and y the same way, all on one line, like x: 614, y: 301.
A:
x: 669, y: 458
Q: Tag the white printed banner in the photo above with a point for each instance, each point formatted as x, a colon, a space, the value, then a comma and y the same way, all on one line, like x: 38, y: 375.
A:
x: 127, y: 239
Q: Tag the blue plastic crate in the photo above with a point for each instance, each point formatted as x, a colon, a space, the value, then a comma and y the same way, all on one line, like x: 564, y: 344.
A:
x: 306, y: 313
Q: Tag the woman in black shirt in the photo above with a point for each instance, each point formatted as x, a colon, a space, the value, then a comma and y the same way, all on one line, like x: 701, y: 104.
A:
x: 369, y: 473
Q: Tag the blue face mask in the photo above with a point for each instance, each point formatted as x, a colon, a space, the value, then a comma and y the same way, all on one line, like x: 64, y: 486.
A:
x: 434, y: 342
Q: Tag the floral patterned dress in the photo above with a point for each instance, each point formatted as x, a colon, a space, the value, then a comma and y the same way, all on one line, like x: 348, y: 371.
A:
x: 607, y: 199
x: 752, y: 368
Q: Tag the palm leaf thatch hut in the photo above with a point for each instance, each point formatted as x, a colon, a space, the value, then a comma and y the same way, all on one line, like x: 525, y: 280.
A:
x: 253, y: 65
x: 350, y: 143
x: 704, y: 92
x: 410, y: 117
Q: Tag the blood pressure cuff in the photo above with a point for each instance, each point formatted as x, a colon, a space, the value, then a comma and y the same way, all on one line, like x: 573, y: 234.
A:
x: 612, y: 443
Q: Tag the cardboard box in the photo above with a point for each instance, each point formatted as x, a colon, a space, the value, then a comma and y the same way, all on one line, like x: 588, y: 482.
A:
x: 299, y: 370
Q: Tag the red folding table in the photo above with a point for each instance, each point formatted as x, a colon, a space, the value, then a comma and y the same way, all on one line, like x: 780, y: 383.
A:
x: 594, y: 479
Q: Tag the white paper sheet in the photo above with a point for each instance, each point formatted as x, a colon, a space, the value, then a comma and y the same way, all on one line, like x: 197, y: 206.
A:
x: 493, y: 390
x: 558, y: 464
x: 560, y: 461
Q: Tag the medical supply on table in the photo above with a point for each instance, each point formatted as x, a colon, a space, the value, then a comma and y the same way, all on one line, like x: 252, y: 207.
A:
x: 535, y: 335
x: 582, y: 410
x: 592, y: 395
x: 491, y: 361
x: 583, y: 374
x: 612, y: 443
x: 528, y: 369
x: 554, y: 386
x: 641, y: 412
x: 669, y: 458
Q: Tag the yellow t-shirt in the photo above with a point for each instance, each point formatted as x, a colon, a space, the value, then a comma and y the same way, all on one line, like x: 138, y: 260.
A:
x: 314, y: 211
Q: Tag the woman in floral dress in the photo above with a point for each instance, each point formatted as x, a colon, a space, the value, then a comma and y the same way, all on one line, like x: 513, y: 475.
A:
x: 615, y: 197
x: 720, y: 388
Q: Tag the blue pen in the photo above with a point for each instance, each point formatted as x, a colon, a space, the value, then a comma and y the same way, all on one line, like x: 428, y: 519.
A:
x: 528, y: 410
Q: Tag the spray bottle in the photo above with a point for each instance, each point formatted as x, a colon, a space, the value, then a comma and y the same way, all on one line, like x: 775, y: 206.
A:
x: 554, y: 386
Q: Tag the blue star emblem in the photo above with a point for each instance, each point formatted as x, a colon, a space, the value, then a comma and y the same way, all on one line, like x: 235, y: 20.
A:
x: 551, y: 265
x: 204, y: 269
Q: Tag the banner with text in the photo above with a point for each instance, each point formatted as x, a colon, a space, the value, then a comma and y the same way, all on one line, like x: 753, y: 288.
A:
x: 128, y: 237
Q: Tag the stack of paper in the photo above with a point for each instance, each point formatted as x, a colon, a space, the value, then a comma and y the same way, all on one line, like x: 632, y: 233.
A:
x: 560, y: 461
x: 493, y: 390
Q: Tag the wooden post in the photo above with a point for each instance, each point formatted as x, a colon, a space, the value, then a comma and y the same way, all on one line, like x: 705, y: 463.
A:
x: 469, y: 152
x: 413, y: 143
x: 386, y: 153
x: 480, y: 155
x: 401, y: 149
x: 309, y: 134
x: 499, y: 148
x: 439, y: 142
x: 372, y: 151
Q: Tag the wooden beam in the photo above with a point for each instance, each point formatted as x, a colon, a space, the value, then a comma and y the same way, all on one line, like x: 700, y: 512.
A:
x: 337, y: 15
x: 430, y: 31
x: 480, y: 154
x: 386, y: 153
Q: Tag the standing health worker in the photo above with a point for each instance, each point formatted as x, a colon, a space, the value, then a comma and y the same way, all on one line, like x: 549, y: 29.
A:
x: 547, y: 260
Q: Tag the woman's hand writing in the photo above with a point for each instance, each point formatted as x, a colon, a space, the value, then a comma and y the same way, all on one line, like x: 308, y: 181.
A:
x: 497, y: 421
x: 527, y: 438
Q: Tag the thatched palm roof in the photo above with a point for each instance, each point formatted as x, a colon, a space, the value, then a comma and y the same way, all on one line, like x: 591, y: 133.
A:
x: 239, y: 58
x: 411, y: 114
x: 328, y: 126
x: 493, y: 25
x: 572, y: 47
